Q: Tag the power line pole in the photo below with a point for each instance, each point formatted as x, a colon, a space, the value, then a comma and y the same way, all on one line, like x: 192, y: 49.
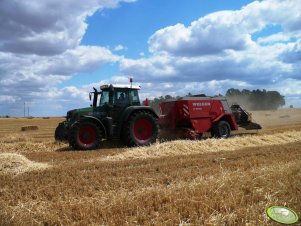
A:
x: 24, y: 109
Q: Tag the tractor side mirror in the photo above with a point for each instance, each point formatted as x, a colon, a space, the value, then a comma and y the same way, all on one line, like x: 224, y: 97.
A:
x: 90, y: 96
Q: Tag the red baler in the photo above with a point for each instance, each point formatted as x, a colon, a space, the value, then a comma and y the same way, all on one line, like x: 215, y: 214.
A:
x: 196, y: 115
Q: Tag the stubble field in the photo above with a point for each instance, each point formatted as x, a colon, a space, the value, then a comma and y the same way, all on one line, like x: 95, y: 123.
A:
x: 181, y: 182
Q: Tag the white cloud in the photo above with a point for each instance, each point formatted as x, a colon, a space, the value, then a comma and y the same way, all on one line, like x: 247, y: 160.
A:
x: 226, y: 30
x: 8, y: 98
x: 274, y: 38
x: 120, y: 79
x: 120, y: 48
x: 293, y: 53
x: 257, y: 65
x: 205, y: 36
x: 46, y: 27
x: 40, y: 48
x: 79, y: 59
x: 219, y: 47
x: 289, y: 87
x: 158, y: 67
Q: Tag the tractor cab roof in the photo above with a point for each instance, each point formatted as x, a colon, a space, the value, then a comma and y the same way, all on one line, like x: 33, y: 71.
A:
x: 105, y: 87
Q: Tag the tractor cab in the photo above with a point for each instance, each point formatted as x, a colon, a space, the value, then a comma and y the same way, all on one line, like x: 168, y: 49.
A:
x: 116, y: 98
x: 119, y: 95
x: 111, y: 100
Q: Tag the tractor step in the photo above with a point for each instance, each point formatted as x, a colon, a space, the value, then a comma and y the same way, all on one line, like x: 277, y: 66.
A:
x: 115, y: 131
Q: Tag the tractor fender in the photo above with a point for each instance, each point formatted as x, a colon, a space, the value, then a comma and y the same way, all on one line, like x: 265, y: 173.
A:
x: 130, y: 110
x: 126, y: 114
x: 93, y: 119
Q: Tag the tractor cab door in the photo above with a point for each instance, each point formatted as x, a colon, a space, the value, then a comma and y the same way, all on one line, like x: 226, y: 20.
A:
x: 120, y: 101
x: 104, y: 102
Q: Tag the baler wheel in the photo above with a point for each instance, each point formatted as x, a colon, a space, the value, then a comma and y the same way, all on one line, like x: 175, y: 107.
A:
x: 141, y: 129
x: 221, y: 129
x: 85, y: 135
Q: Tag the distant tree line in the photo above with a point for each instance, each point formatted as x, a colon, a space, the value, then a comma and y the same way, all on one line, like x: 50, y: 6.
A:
x: 250, y: 99
x: 6, y: 116
x: 256, y: 99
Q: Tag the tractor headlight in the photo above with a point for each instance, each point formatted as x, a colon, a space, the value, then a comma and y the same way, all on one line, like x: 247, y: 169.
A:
x: 69, y: 115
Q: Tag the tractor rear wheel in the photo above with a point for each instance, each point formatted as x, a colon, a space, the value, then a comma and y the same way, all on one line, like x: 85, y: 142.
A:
x: 85, y: 135
x: 141, y: 129
x: 221, y: 129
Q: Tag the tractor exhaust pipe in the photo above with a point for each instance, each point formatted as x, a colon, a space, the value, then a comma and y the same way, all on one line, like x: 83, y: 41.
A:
x: 95, y: 97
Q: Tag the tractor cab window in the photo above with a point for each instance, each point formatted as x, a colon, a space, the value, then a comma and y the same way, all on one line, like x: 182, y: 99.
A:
x: 104, y: 98
x: 121, y: 98
x: 134, y: 97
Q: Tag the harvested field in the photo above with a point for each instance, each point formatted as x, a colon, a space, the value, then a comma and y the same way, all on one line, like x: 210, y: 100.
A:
x: 281, y: 117
x: 188, y: 147
x: 206, y: 182
x: 15, y: 164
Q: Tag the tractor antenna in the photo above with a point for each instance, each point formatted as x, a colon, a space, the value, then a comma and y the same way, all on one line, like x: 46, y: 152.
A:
x: 131, y: 81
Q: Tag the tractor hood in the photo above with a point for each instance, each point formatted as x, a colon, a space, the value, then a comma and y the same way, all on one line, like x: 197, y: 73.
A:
x: 75, y: 114
x: 84, y: 111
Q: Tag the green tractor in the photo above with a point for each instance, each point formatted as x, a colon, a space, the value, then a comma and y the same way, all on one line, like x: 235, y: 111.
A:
x: 116, y: 114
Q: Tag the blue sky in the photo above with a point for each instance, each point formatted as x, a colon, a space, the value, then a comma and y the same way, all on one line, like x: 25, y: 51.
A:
x: 130, y: 25
x: 133, y: 24
x: 53, y: 52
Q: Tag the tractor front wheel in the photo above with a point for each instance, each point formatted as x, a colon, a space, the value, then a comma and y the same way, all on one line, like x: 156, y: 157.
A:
x: 60, y: 133
x: 221, y: 129
x: 85, y: 135
x: 141, y: 129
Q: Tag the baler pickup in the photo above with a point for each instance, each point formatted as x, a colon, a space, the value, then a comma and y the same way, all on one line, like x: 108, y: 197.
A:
x: 244, y: 118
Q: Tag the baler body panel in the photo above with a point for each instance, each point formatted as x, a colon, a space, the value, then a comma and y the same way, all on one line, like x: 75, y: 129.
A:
x: 197, y: 113
x: 201, y: 125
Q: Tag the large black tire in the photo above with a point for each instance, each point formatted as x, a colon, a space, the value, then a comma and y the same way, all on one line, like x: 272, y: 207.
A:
x: 221, y: 129
x: 85, y: 135
x: 140, y: 130
x: 60, y: 134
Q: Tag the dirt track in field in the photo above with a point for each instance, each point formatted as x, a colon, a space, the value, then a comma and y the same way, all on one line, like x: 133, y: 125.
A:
x: 207, y: 182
